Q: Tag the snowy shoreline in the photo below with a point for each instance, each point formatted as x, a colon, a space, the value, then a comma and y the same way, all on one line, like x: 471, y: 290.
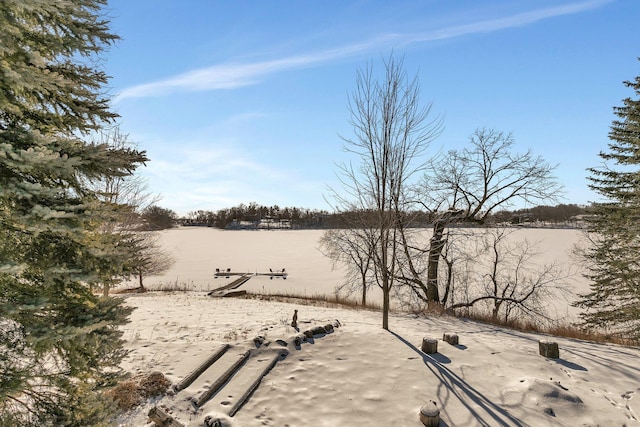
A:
x: 360, y: 373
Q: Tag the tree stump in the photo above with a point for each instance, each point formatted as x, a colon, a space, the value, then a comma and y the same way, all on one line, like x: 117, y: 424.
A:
x: 450, y: 338
x: 429, y: 345
x: 549, y: 349
x: 294, y: 321
x: 430, y: 414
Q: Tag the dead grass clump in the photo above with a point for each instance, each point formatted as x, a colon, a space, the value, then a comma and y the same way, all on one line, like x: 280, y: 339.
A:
x: 570, y: 331
x: 138, y: 290
x: 524, y: 325
x: 430, y: 308
x: 565, y: 330
x: 174, y: 287
x: 335, y: 301
x: 134, y: 391
x: 154, y: 384
x: 126, y: 395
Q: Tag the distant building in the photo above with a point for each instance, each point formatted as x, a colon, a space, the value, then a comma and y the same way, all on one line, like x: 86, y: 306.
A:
x: 274, y: 224
x: 262, y: 224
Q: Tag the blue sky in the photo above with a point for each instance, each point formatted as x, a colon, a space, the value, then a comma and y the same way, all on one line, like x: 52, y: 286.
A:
x: 245, y: 101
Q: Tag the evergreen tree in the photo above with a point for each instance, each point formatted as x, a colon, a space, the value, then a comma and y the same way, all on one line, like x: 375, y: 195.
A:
x: 59, y: 343
x: 613, y: 260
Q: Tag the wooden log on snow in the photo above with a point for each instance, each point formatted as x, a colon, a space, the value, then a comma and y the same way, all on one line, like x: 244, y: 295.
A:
x: 209, y: 421
x: 213, y: 388
x: 236, y: 406
x: 299, y: 339
x: 549, y: 349
x: 191, y: 377
x: 258, y: 341
x: 450, y: 338
x: 429, y: 345
x: 430, y: 414
x: 161, y: 418
x: 318, y: 330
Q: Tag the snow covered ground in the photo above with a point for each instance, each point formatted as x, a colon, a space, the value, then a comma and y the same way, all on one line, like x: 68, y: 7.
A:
x: 359, y: 374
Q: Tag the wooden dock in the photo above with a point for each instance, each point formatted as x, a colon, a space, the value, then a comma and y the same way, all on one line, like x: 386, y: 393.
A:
x: 232, y: 288
x: 228, y: 273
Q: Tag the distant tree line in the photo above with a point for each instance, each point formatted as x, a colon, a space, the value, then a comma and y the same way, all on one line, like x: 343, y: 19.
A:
x: 299, y: 218
x: 303, y: 218
x: 561, y: 213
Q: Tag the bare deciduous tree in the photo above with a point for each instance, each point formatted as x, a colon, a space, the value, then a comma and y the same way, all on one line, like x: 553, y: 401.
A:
x: 354, y: 248
x: 507, y: 278
x: 148, y: 256
x: 138, y: 252
x: 466, y: 186
x: 391, y: 132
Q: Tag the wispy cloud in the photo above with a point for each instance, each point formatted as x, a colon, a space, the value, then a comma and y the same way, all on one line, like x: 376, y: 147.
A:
x: 518, y: 20
x: 235, y: 75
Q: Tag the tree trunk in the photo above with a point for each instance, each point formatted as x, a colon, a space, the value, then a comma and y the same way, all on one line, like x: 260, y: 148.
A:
x: 448, y: 289
x: 496, y: 309
x: 385, y: 279
x: 436, y: 244
x: 364, y: 290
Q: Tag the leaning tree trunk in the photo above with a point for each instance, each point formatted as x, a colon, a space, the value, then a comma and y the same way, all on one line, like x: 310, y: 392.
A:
x: 436, y: 244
